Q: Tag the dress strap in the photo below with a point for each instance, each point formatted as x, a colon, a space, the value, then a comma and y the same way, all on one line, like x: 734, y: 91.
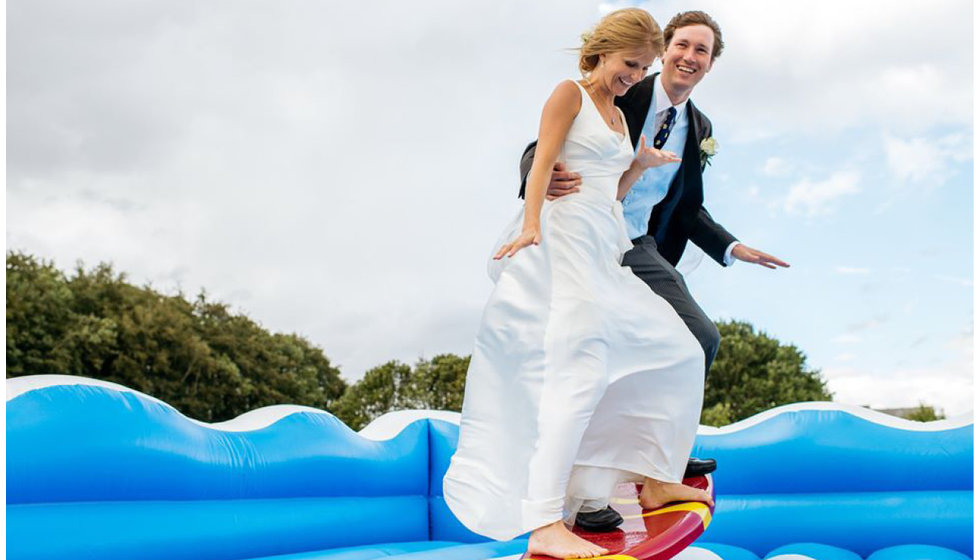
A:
x: 585, y: 96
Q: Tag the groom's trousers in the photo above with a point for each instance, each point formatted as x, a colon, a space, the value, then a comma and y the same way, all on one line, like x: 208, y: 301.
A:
x: 651, y: 267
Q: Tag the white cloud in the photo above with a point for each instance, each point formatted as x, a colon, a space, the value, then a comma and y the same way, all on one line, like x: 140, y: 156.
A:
x: 925, y: 159
x: 947, y: 385
x: 606, y: 7
x: 949, y: 388
x: 776, y: 167
x: 820, y: 197
x: 876, y: 67
x: 327, y: 167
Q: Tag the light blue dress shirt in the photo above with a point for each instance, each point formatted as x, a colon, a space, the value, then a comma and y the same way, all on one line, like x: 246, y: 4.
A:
x: 652, y: 186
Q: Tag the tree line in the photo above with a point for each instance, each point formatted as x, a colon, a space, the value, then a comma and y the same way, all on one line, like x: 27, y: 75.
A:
x: 197, y: 355
x: 213, y: 364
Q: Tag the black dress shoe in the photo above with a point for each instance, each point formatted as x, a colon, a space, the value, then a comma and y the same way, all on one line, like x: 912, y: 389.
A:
x: 699, y: 467
x: 606, y: 520
x: 601, y: 521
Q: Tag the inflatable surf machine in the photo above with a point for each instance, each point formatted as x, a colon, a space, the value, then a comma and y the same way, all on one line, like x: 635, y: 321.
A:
x: 98, y: 471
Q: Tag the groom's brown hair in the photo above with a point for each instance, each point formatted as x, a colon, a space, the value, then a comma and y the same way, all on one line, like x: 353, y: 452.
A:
x: 695, y: 17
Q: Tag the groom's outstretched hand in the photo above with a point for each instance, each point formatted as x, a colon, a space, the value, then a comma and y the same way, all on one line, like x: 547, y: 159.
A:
x: 748, y: 254
x: 562, y: 182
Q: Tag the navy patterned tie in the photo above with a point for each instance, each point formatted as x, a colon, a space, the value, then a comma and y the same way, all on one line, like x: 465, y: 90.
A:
x: 664, y: 132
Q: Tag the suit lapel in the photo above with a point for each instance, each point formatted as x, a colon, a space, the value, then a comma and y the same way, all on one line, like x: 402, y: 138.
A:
x: 636, y: 105
x: 687, y: 182
x: 693, y: 189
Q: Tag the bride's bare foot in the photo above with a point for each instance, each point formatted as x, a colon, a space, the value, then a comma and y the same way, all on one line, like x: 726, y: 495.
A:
x: 557, y: 541
x: 656, y: 494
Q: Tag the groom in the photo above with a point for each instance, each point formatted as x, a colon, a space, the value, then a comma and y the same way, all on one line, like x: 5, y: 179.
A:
x: 664, y: 209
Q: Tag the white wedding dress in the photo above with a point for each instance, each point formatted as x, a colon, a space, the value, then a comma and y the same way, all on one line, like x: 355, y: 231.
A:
x: 581, y: 376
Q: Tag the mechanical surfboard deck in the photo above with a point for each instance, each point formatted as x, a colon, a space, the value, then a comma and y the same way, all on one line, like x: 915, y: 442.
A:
x: 656, y: 534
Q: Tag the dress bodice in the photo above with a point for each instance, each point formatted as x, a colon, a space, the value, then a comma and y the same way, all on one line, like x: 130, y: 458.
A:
x: 595, y: 151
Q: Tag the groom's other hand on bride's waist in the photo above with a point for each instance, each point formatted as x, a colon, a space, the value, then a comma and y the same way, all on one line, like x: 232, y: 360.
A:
x: 562, y: 182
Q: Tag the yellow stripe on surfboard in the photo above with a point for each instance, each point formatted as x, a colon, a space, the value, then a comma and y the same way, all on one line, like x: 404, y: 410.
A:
x: 696, y: 507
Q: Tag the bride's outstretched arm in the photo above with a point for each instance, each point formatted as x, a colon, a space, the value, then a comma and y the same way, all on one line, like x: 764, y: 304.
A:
x: 556, y: 119
x: 646, y: 157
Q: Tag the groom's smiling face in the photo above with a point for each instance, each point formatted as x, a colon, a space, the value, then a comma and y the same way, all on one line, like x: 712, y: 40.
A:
x: 687, y: 59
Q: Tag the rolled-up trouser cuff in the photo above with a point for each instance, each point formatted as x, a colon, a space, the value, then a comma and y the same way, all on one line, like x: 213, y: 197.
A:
x: 538, y: 513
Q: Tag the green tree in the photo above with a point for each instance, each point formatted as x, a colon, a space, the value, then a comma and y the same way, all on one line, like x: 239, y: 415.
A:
x: 207, y: 362
x: 435, y: 384
x: 38, y: 316
x: 380, y: 390
x: 719, y: 414
x: 924, y: 413
x: 753, y: 372
x: 438, y: 384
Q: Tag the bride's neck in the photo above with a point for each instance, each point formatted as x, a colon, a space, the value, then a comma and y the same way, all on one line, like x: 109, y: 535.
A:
x: 601, y: 94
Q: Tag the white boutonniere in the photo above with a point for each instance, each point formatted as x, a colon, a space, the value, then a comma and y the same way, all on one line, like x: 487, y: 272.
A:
x: 709, y: 147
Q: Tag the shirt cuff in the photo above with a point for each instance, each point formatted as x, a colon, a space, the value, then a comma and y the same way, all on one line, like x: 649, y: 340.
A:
x: 729, y: 259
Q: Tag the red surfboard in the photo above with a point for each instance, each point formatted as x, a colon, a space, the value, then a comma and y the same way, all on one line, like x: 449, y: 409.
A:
x: 656, y: 534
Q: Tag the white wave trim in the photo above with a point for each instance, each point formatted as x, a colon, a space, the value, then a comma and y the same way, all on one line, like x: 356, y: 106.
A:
x: 16, y: 386
x: 864, y: 413
x: 253, y: 420
x: 264, y: 417
x: 392, y: 423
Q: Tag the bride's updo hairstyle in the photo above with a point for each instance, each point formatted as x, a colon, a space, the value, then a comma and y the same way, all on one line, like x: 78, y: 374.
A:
x: 621, y: 30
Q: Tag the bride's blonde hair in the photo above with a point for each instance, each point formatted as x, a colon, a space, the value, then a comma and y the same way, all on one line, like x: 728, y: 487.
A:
x: 621, y: 30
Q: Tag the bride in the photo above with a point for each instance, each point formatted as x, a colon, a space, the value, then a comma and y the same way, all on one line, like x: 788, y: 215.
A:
x: 581, y: 377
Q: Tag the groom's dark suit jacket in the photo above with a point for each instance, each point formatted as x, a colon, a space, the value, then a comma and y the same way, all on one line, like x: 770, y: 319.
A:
x: 680, y: 216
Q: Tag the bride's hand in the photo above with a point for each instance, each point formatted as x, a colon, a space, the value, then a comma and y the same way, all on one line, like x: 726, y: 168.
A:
x: 527, y: 237
x: 648, y: 156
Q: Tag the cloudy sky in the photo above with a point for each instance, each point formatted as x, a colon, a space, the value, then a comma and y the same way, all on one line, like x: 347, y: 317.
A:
x: 342, y: 169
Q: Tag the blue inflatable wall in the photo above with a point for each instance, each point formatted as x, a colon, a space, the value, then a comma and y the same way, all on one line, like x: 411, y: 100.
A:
x: 99, y: 471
